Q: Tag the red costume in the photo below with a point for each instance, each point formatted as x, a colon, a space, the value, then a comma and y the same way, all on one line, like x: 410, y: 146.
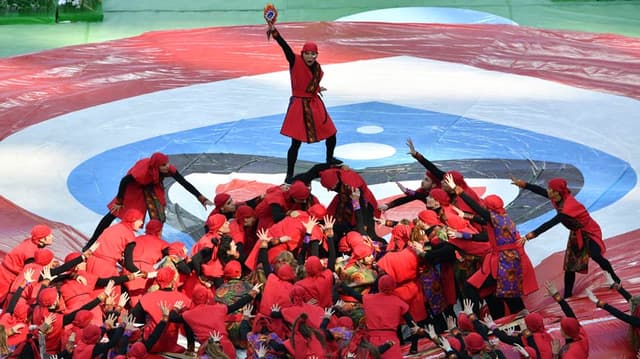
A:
x: 579, y: 347
x: 146, y: 253
x: 542, y: 339
x: 277, y: 289
x: 318, y: 282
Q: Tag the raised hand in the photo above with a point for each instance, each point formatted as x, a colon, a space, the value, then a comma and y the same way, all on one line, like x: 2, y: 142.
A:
x: 108, y: 289
x: 129, y: 323
x: 308, y: 226
x: 28, y: 276
x: 520, y: 349
x: 46, y: 274
x: 261, y: 351
x: 431, y: 332
x: 412, y: 148
x: 215, y: 336
x: 488, y: 321
x: 246, y: 311
x: 449, y: 182
x: 339, y: 303
x: 328, y: 312
x: 444, y: 344
x: 275, y: 307
x: 110, y: 321
x: 518, y: 182
x: 16, y: 329
x: 610, y: 282
x: 401, y: 187
x: 382, y: 208
x: 164, y: 308
x: 510, y: 330
x: 467, y: 306
x: 50, y: 319
x: 451, y: 322
x: 256, y: 289
x: 329, y: 221
x: 178, y: 305
x: 355, y: 193
x: 123, y: 299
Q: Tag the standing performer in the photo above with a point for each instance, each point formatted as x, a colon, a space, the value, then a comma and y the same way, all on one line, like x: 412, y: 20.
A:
x: 307, y: 119
x: 585, y: 236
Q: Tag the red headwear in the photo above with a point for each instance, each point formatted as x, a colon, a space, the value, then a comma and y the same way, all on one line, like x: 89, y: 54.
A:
x: 39, y: 231
x: 434, y: 179
x: 495, y: 204
x: 153, y: 227
x: 48, y: 297
x: 83, y: 318
x: 455, y: 343
x: 570, y: 327
x: 313, y: 266
x: 91, y: 334
x: 221, y: 199
x: 534, y: 322
x: 400, y: 235
x: 299, y: 191
x: 458, y: 179
x: 147, y: 170
x: 559, y: 185
x: 165, y: 276
x: 71, y: 256
x: 441, y: 196
x: 233, y: 269
x: 176, y: 249
x: 361, y: 250
x: 310, y: 46
x: 430, y: 218
x: 21, y: 311
x: 285, y: 272
x: 386, y: 284
x: 299, y: 295
x: 329, y: 178
x: 200, y: 295
x: 474, y: 343
x: 131, y: 215
x: 346, y: 322
x: 214, y: 222
x: 317, y: 210
x: 464, y: 322
x: 137, y: 351
x: 243, y: 212
x: 43, y: 256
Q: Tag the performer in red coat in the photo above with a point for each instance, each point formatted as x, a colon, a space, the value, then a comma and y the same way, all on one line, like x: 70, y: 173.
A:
x: 585, y: 235
x: 142, y: 189
x: 307, y: 119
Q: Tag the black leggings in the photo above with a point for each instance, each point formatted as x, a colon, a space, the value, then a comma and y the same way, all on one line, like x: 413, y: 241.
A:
x: 292, y: 154
x: 596, y: 254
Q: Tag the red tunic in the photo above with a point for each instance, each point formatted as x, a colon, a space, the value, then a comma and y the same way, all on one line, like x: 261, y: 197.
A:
x: 207, y: 318
x: 383, y: 313
x: 112, y: 244
x: 149, y: 302
x: 403, y: 268
x: 53, y: 337
x: 307, y: 119
x: 320, y: 287
x: 146, y: 253
x: 13, y: 264
x: 145, y: 173
x: 587, y: 225
x: 276, y: 291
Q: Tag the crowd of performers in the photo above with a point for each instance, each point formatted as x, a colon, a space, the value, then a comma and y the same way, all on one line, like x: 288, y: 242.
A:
x: 282, y: 276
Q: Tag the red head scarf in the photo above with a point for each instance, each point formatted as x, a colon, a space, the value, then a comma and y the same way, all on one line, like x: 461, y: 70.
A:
x: 313, y: 266
x: 39, y: 231
x: 534, y: 322
x: 317, y: 210
x: 147, y: 170
x: 361, y: 250
x: 299, y: 191
x: 243, y: 212
x: 201, y: 295
x: 48, y: 297
x: 474, y: 343
x: 154, y: 227
x: 285, y: 272
x: 165, y: 276
x: 309, y: 46
x: 441, y: 196
x: 495, y: 204
x: 43, y: 256
x: 221, y: 199
x: 400, y: 235
x: 83, y: 318
x: 91, y: 334
x: 458, y: 179
x: 570, y: 327
x: 131, y: 215
x: 20, y: 311
x: 346, y: 322
x: 215, y: 222
x: 176, y: 249
x: 430, y: 218
x: 232, y: 270
x: 559, y: 185
x: 299, y: 295
x: 455, y: 343
x: 71, y: 256
x: 386, y: 284
x: 329, y: 178
x: 464, y: 322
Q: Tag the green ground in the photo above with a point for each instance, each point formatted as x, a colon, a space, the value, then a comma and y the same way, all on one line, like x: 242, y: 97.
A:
x: 125, y: 18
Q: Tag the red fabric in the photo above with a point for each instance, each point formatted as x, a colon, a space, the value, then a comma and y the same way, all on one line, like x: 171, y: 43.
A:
x: 207, y: 318
x: 441, y: 196
x: 571, y: 207
x: 293, y: 125
x: 474, y: 343
x: 9, y: 321
x: 221, y: 199
x: 154, y: 227
x: 386, y: 284
x: 559, y: 185
x: 495, y: 204
x: 53, y: 342
x: 273, y: 195
x: 402, y: 266
x: 112, y: 244
x: 309, y: 46
x: 137, y: 351
x: 39, y: 231
x: 276, y: 291
x: 383, y: 314
x: 579, y: 348
x: 315, y: 313
x: 430, y: 218
x: 319, y: 286
x: 215, y: 221
x: 299, y: 190
x: 165, y: 276
x: 400, y: 235
x: 13, y: 263
x: 149, y: 302
x: 145, y: 173
x: 349, y: 179
x: 48, y: 297
x: 232, y: 270
x: 289, y: 226
x: 146, y: 253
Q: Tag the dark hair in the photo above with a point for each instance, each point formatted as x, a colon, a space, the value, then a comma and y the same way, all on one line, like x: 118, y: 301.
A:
x: 300, y: 325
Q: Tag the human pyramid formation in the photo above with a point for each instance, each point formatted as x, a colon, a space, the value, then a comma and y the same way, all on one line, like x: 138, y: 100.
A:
x: 283, y: 276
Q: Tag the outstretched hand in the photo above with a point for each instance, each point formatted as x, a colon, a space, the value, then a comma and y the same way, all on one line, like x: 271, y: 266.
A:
x: 412, y: 148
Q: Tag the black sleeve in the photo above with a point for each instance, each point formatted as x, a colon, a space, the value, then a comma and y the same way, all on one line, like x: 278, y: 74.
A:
x: 351, y: 292
x: 303, y: 253
x: 481, y: 329
x: 277, y: 212
x: 480, y: 210
x: 124, y: 182
x: 407, y: 318
x: 629, y: 319
x: 128, y: 258
x: 263, y: 258
x: 14, y: 300
x: 324, y: 324
x: 66, y: 266
x: 200, y: 258
x: 624, y: 293
x: 384, y: 347
x: 138, y: 313
x: 547, y: 225
x: 532, y: 343
x: 312, y: 173
x: 420, y: 196
x: 245, y: 329
x: 253, y: 202
x: 506, y: 338
x: 331, y: 260
x: 102, y: 282
x: 566, y: 308
x: 68, y: 318
x: 314, y: 245
x: 183, y: 267
x: 155, y: 334
x: 430, y: 166
x: 445, y: 253
x: 244, y: 300
x: 186, y: 184
x: 288, y: 53
x: 537, y: 190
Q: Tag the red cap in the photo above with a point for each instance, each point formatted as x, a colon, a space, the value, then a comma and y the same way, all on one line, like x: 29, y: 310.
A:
x: 137, y: 351
x: 386, y: 284
x: 299, y: 191
x: 310, y: 46
x: 233, y: 269
x: 441, y: 196
x: 313, y: 266
x: 43, y: 256
x: 154, y: 227
x: 220, y: 199
x: 215, y: 221
x: 429, y: 217
x: 39, y: 231
x: 570, y: 327
x: 286, y: 273
x: 91, y: 334
x: 559, y: 185
x: 48, y: 297
x: 317, y: 210
x: 329, y: 178
x: 131, y: 215
x: 200, y: 295
x: 83, y: 318
x: 165, y: 276
x: 474, y: 343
